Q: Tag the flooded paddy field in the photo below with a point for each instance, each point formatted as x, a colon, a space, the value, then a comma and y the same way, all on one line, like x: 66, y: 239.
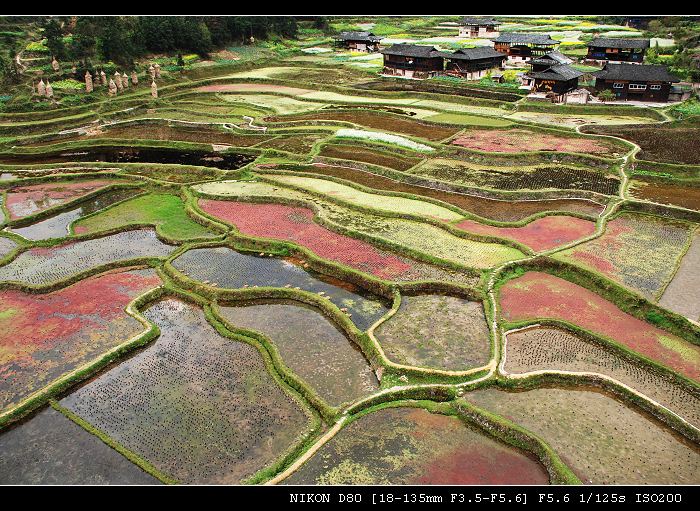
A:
x: 51, y: 449
x: 42, y: 266
x: 311, y: 345
x: 199, y: 407
x: 414, y: 446
x: 556, y: 349
x: 437, y: 331
x: 601, y: 439
x: 230, y: 269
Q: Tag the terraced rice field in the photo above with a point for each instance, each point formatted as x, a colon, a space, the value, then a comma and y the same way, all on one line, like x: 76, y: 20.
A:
x: 229, y: 269
x: 682, y: 295
x: 521, y: 140
x: 413, y: 446
x: 78, y: 323
x: 312, y: 346
x: 43, y: 266
x: 290, y: 268
x: 513, y: 179
x: 601, y: 439
x: 27, y: 200
x: 437, y: 331
x: 639, y: 251
x: 542, y: 296
x: 556, y: 349
x: 198, y: 406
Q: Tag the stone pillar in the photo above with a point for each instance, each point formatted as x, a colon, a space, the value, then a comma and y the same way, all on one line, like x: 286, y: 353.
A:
x: 112, y: 88
x: 154, y: 89
x: 103, y: 77
x: 152, y: 71
x: 134, y: 78
x: 88, y: 82
x: 156, y: 68
x: 49, y: 89
x: 41, y: 88
x: 55, y: 65
x: 125, y: 80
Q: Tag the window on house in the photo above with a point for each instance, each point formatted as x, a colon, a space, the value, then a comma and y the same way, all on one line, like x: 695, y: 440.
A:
x: 618, y: 85
x: 655, y: 87
x: 637, y: 86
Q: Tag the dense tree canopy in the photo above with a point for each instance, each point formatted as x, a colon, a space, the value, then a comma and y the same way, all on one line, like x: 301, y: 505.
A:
x: 123, y: 38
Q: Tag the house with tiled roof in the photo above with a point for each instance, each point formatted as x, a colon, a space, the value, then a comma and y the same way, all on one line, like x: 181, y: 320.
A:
x: 412, y: 61
x: 520, y: 46
x: 636, y: 82
x: 609, y: 49
x: 358, y: 41
x: 473, y: 63
x: 478, y: 27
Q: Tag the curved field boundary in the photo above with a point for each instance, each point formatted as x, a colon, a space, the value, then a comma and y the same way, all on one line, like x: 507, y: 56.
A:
x: 588, y: 378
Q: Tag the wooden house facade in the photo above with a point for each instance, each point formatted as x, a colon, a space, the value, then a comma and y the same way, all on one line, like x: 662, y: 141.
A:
x: 473, y: 63
x: 478, y: 27
x: 412, y: 61
x: 604, y: 49
x: 521, y: 47
x: 630, y: 82
x: 358, y: 41
x: 558, y: 79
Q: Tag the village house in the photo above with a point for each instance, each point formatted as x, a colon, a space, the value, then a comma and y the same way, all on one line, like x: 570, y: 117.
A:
x: 630, y: 82
x: 358, y: 41
x: 540, y: 64
x: 604, y: 49
x: 478, y: 27
x: 412, y: 61
x: 558, y: 79
x: 473, y: 63
x: 521, y: 47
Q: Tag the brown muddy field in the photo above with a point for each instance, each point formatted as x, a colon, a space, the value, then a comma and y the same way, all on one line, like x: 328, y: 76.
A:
x: 381, y: 158
x: 665, y: 192
x: 503, y: 211
x: 376, y: 120
x: 201, y: 135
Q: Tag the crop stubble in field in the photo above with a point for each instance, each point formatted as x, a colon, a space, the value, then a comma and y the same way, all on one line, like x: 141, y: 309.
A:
x: 312, y: 346
x: 437, y: 331
x: 199, y: 407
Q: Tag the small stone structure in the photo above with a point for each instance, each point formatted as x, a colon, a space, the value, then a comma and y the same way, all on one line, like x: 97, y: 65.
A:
x: 125, y: 80
x: 118, y: 81
x: 88, y: 82
x: 154, y: 89
x: 55, y: 65
x: 49, y: 89
x: 156, y: 68
x: 103, y: 77
x: 134, y: 78
x: 41, y: 88
x: 152, y: 71
x: 112, y: 88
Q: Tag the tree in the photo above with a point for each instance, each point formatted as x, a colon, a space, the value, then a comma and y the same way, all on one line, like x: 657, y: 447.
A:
x: 606, y: 95
x: 54, y: 39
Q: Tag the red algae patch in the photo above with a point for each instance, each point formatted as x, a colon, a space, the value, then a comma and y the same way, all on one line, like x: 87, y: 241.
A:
x: 414, y: 446
x: 520, y: 140
x: 43, y: 336
x: 540, y: 234
x: 27, y: 200
x: 538, y: 295
x: 296, y: 224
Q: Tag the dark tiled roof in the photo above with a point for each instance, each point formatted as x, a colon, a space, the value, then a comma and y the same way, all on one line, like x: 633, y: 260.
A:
x: 559, y: 72
x: 521, y: 37
x: 636, y: 72
x: 482, y: 52
x: 412, y: 50
x: 479, y: 21
x: 359, y: 36
x: 552, y: 57
x: 606, y: 42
